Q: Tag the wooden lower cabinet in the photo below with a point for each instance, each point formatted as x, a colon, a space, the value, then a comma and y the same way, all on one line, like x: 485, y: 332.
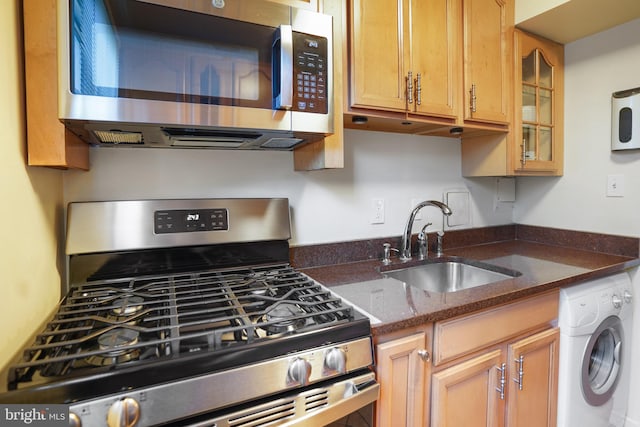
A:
x: 533, y: 399
x: 403, y: 369
x: 513, y: 385
x: 491, y: 368
x: 467, y: 394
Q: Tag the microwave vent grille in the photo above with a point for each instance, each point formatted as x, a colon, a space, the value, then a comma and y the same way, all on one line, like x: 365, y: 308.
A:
x: 281, y: 142
x: 119, y: 137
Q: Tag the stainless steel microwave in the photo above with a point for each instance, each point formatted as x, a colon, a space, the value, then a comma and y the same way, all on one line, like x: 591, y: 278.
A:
x: 237, y: 74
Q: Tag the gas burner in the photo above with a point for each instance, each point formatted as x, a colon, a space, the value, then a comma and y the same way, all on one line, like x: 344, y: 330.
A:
x: 116, y: 343
x: 261, y: 283
x: 286, y: 317
x: 127, y: 305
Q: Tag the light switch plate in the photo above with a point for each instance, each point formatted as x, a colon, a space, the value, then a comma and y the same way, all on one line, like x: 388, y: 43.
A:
x: 615, y: 185
x: 458, y: 201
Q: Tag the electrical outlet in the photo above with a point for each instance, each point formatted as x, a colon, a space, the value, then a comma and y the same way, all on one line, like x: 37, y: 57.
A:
x: 615, y: 185
x: 377, y: 211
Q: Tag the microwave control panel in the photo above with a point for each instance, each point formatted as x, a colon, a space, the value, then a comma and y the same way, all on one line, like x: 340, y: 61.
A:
x: 182, y: 221
x: 310, y: 73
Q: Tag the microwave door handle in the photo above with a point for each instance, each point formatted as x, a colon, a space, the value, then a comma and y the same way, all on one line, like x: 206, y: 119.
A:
x: 283, y: 68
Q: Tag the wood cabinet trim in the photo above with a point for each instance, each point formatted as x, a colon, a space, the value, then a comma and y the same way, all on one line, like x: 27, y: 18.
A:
x: 49, y: 143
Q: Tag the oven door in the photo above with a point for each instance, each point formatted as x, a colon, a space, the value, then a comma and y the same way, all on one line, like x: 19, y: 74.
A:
x: 321, y: 406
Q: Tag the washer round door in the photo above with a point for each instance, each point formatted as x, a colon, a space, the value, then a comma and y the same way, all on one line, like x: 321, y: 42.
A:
x: 601, y: 362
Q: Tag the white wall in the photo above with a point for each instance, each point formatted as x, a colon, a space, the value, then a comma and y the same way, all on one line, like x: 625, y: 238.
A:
x: 595, y: 67
x: 328, y: 206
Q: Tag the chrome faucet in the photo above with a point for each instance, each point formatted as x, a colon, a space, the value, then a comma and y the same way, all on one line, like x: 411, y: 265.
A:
x: 405, y: 251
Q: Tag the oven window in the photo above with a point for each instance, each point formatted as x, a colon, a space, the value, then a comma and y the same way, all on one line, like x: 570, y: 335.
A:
x: 131, y: 49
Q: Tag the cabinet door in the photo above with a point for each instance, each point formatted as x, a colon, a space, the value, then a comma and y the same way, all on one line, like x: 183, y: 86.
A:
x: 401, y: 373
x: 533, y: 388
x: 488, y: 25
x: 539, y: 104
x: 434, y: 55
x: 378, y: 54
x: 405, y: 56
x: 468, y: 395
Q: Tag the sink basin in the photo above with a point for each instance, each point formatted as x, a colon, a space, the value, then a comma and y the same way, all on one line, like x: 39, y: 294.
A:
x: 451, y: 275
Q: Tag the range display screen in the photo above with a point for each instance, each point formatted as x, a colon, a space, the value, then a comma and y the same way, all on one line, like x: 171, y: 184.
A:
x: 183, y: 221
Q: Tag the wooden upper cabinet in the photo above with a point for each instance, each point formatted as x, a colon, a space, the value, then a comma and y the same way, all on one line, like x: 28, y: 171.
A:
x: 539, y: 105
x: 49, y: 142
x: 488, y: 25
x: 404, y: 56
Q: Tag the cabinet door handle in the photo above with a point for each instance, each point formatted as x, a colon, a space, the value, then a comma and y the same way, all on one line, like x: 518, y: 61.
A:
x: 424, y: 355
x: 473, y: 98
x: 501, y: 379
x: 410, y: 87
x: 524, y: 152
x: 520, y: 365
x: 419, y: 89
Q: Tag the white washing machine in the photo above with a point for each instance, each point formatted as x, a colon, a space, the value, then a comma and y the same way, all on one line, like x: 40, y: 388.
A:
x: 595, y: 322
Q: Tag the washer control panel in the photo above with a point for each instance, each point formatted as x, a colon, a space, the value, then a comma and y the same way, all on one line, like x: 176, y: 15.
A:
x: 588, y: 303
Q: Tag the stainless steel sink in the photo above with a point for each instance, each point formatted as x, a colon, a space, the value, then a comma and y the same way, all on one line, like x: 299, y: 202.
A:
x: 451, y: 275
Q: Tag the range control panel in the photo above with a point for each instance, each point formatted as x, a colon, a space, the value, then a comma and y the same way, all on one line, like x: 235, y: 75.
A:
x: 182, y: 221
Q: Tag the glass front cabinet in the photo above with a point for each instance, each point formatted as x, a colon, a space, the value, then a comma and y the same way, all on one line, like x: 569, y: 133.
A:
x: 539, y: 88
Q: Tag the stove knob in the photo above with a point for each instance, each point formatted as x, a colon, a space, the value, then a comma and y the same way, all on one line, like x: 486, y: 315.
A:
x: 335, y: 361
x: 74, y: 420
x: 616, y: 300
x: 124, y: 413
x: 627, y: 297
x: 299, y: 372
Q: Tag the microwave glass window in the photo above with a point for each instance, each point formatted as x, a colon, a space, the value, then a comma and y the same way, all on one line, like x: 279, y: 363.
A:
x: 135, y: 50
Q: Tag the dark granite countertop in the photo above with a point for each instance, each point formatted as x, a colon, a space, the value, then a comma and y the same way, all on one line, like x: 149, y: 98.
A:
x: 392, y: 306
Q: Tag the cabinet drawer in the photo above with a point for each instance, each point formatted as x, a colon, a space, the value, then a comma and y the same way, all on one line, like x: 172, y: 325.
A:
x: 465, y: 334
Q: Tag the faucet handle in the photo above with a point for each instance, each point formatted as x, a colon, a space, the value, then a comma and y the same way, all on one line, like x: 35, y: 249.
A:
x: 423, y: 233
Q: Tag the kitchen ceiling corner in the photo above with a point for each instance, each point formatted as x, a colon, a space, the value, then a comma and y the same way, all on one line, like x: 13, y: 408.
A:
x: 570, y: 20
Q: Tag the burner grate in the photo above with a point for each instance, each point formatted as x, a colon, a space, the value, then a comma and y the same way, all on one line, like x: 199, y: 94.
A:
x: 165, y: 316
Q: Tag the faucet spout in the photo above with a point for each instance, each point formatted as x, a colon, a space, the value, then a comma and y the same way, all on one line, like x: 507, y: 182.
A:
x: 405, y: 251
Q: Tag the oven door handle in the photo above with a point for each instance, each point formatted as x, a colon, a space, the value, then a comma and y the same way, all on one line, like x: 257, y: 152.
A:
x: 357, y: 396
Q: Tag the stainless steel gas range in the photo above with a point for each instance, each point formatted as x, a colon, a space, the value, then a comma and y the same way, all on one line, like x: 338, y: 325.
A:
x: 187, y: 312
